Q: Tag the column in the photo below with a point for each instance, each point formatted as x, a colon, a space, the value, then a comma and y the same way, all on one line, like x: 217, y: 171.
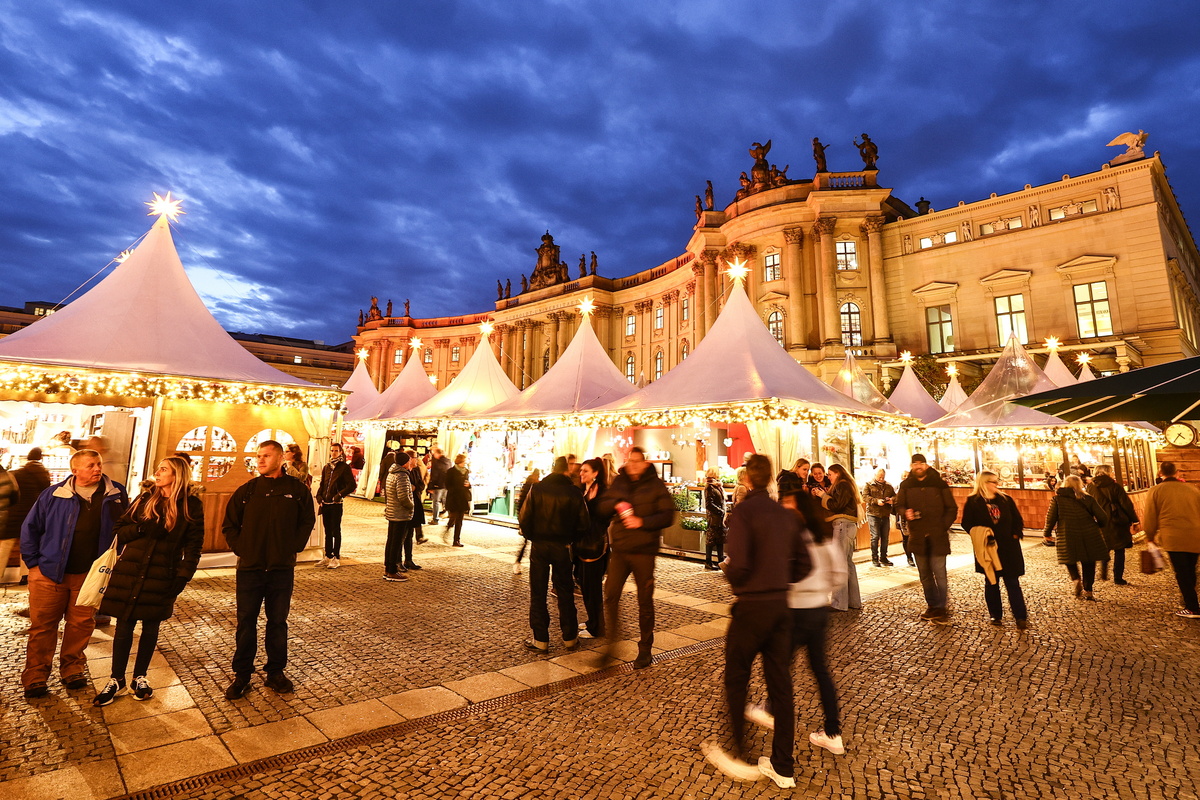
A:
x: 711, y: 291
x: 873, y: 228
x: 568, y: 324
x: 525, y: 348
x: 535, y: 350
x: 375, y: 364
x: 794, y: 272
x: 670, y: 328
x: 831, y: 328
x: 552, y: 335
x: 512, y: 353
x: 700, y: 306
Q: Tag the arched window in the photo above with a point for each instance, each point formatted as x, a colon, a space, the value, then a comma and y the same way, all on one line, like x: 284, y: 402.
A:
x: 684, y: 350
x: 775, y: 326
x: 276, y: 434
x: 658, y: 365
x: 630, y: 369
x: 210, y: 449
x: 851, y: 325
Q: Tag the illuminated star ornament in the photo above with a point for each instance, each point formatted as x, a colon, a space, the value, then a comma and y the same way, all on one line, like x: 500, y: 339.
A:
x: 362, y: 354
x: 952, y: 370
x: 1053, y: 343
x: 737, y: 270
x: 415, y: 344
x: 165, y: 207
x: 906, y: 357
x: 124, y: 255
x: 486, y: 327
x: 586, y: 306
x: 1084, y: 358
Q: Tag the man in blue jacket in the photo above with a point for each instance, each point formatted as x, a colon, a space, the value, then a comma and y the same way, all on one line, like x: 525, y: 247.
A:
x: 69, y: 526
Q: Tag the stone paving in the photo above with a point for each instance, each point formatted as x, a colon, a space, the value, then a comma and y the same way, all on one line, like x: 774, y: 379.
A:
x: 1095, y: 700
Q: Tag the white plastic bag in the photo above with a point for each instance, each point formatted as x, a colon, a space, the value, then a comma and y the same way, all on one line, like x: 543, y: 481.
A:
x: 92, y: 591
x: 1152, y: 559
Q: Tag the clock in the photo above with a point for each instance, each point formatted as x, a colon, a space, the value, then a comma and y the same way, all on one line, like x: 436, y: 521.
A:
x: 1180, y: 434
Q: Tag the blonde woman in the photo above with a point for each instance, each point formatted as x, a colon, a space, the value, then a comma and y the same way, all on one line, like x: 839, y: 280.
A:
x: 1080, y: 541
x: 991, y: 508
x: 742, y: 488
x: 842, y: 503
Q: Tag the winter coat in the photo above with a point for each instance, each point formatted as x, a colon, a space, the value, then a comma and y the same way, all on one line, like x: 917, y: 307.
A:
x: 930, y: 497
x: 48, y: 531
x: 1172, y: 516
x: 594, y: 544
x: 766, y: 549
x: 1110, y: 496
x: 155, y: 563
x: 458, y: 490
x: 875, y: 491
x: 398, y: 505
x: 840, y: 503
x: 9, y: 492
x: 337, y: 482
x: 554, y: 511
x: 829, y: 571
x: 268, y: 521
x: 523, y: 493
x: 32, y: 479
x: 1079, y: 523
x: 788, y: 482
x: 416, y: 476
x: 650, y: 500
x: 714, y: 507
x: 1007, y: 526
x: 438, y: 468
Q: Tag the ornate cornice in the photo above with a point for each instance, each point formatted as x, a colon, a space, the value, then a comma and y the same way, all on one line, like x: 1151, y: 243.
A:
x: 740, y: 251
x: 691, y: 287
x: 873, y: 225
x: 793, y: 235
x: 824, y: 226
x: 440, y: 342
x: 670, y: 297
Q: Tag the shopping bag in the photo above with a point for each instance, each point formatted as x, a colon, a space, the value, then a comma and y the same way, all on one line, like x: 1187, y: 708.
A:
x: 1152, y: 559
x: 92, y: 591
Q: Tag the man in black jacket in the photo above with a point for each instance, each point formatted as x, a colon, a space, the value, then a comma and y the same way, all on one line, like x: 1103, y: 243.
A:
x: 553, y: 517
x: 926, y: 502
x: 267, y: 522
x: 337, y: 483
x: 439, y: 464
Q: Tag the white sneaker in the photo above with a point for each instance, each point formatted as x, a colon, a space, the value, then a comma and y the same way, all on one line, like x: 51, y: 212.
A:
x: 831, y: 743
x: 324, y: 562
x: 334, y: 563
x: 516, y: 568
x: 764, y: 766
x: 759, y: 716
x: 727, y: 765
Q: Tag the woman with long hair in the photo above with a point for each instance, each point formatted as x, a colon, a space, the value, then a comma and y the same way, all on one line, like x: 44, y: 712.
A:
x: 160, y: 537
x: 740, y: 489
x: 714, y: 507
x: 458, y: 497
x: 842, y: 504
x: 1118, y: 533
x: 1080, y: 540
x: 591, y: 552
x: 990, y: 508
x: 417, y: 473
x: 293, y: 464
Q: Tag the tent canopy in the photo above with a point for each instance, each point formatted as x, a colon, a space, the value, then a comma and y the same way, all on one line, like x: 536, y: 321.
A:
x: 910, y: 397
x: 481, y: 385
x: 1014, y: 375
x: 361, y: 388
x: 954, y: 396
x: 1166, y: 392
x: 853, y: 382
x: 409, y: 389
x: 1057, y: 371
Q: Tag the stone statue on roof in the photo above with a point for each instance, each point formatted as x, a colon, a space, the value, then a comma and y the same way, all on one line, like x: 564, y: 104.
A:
x: 760, y: 173
x: 524, y: 284
x: 407, y: 313
x: 699, y: 209
x: 388, y: 313
x: 593, y: 262
x: 550, y: 269
x: 869, y: 152
x: 373, y: 312
x: 708, y: 195
x: 507, y: 288
x: 819, y: 155
x: 1134, y: 146
x: 582, y: 265
x: 499, y: 290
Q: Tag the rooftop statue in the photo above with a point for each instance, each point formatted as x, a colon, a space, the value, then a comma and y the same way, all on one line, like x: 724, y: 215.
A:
x: 760, y: 173
x: 508, y: 288
x: 582, y: 265
x: 1134, y: 146
x: 699, y: 209
x: 499, y: 290
x: 708, y: 195
x: 388, y: 313
x: 819, y: 155
x: 550, y: 270
x: 868, y: 151
x: 593, y: 262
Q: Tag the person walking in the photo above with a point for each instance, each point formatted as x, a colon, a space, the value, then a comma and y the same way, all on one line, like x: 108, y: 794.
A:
x: 1079, y: 521
x: 553, y: 517
x: 439, y: 465
x: 842, y: 506
x: 926, y: 502
x: 766, y: 554
x: 878, y: 495
x: 160, y: 537
x: 640, y: 507
x: 32, y: 479
x: 1172, y: 521
x: 398, y: 508
x: 989, y: 508
x: 418, y: 475
x: 337, y: 483
x: 70, y: 525
x: 267, y: 522
x: 714, y: 507
x: 591, y: 552
x: 1122, y: 517
x: 531, y: 480
x: 458, y: 496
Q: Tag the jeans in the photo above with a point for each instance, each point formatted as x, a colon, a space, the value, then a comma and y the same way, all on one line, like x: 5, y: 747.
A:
x: 331, y: 516
x: 1085, y: 571
x: 932, y: 570
x: 257, y: 588
x: 808, y: 631
x: 1184, y: 565
x: 437, y: 498
x: 545, y: 558
x: 847, y: 596
x: 620, y: 566
x: 393, y: 551
x: 881, y: 531
x: 49, y: 603
x: 591, y: 584
x: 761, y: 626
x: 122, y: 643
x: 1016, y: 598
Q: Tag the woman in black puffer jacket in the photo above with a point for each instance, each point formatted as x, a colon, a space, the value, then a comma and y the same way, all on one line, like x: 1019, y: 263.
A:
x: 160, y: 539
x: 1080, y: 522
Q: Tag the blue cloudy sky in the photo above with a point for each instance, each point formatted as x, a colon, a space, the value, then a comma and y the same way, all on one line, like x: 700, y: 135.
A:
x: 328, y: 151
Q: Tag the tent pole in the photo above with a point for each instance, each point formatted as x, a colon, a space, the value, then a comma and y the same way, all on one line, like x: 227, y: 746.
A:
x: 156, y: 416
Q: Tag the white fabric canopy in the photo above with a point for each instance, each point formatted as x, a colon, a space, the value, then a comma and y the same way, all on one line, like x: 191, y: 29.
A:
x: 361, y: 387
x: 1014, y: 375
x: 1085, y: 374
x: 853, y: 382
x: 409, y: 389
x: 954, y: 396
x: 1057, y: 371
x: 910, y: 397
x: 144, y: 317
x: 481, y: 385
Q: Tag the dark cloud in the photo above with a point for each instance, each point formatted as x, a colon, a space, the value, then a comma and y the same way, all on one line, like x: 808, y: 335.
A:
x: 328, y: 152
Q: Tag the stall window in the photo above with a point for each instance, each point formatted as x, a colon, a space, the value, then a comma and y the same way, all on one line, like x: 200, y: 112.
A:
x: 847, y: 255
x: 275, y: 434
x: 771, y: 268
x: 658, y: 365
x: 209, y: 448
x: 851, y: 325
x: 1010, y: 318
x: 940, y: 328
x: 659, y: 318
x: 630, y: 370
x: 630, y: 324
x: 1091, y: 309
x: 775, y: 325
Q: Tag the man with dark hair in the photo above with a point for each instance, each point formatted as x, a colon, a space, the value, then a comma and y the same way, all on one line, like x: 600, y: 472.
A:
x: 439, y: 465
x: 267, y: 522
x: 69, y: 526
x: 641, y: 507
x: 553, y: 517
x: 32, y: 479
x: 765, y: 552
x: 926, y: 502
x: 337, y: 483
x: 1171, y: 519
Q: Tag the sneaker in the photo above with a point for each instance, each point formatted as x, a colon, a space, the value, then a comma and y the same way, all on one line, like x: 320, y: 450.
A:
x: 536, y: 646
x: 928, y: 614
x: 35, y: 690
x: 885, y: 563
x: 782, y: 781
x: 324, y: 562
x: 1187, y: 614
x: 395, y: 577
x: 759, y: 716
x: 912, y: 563
x: 1089, y: 596
x: 237, y: 689
x: 111, y: 691
x: 411, y: 565
x: 279, y: 683
x: 334, y: 563
x: 831, y: 743
x: 584, y: 633
x: 141, y: 688
x: 75, y: 682
x: 876, y: 564
x: 516, y: 568
x: 457, y: 544
x: 728, y: 765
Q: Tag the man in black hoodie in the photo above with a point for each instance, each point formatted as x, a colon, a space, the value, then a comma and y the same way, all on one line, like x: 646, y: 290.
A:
x: 267, y: 522
x: 553, y: 517
x: 925, y: 500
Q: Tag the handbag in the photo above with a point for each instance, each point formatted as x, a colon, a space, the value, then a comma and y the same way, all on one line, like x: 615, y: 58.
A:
x: 1152, y: 559
x: 92, y: 592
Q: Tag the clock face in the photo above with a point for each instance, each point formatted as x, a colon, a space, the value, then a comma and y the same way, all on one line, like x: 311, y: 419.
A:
x: 1180, y: 434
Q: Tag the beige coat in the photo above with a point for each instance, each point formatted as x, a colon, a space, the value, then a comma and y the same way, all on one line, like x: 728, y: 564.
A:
x: 1172, y: 517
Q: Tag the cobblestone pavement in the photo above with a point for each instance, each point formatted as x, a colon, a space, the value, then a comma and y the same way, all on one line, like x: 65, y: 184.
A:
x: 1095, y: 700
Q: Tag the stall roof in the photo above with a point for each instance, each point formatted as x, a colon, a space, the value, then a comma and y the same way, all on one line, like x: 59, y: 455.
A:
x: 954, y: 396
x: 361, y: 388
x: 409, y: 389
x: 853, y: 382
x: 481, y: 385
x: 1057, y: 371
x: 144, y: 317
x: 583, y: 378
x: 910, y: 397
x: 1014, y: 375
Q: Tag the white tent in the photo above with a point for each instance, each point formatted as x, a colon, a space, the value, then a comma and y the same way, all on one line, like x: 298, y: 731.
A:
x: 361, y: 388
x: 1057, y: 371
x: 409, y: 389
x: 910, y: 397
x: 954, y: 396
x: 1014, y: 375
x: 144, y: 317
x: 1085, y: 374
x: 853, y: 382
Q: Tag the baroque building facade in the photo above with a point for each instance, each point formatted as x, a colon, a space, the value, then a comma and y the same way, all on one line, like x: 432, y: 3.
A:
x: 1104, y: 262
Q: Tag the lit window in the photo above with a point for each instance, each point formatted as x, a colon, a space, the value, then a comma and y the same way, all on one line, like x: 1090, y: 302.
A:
x: 1073, y: 209
x: 630, y: 370
x: 775, y: 325
x: 659, y: 318
x: 1091, y: 309
x: 658, y: 365
x: 950, y: 237
x: 941, y: 329
x: 454, y: 351
x: 926, y: 242
x: 685, y: 308
x: 297, y: 360
x: 428, y: 356
x: 1010, y: 318
x: 630, y: 325
x: 847, y: 255
x: 683, y: 351
x: 771, y: 269
x: 851, y: 324
x: 398, y: 356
